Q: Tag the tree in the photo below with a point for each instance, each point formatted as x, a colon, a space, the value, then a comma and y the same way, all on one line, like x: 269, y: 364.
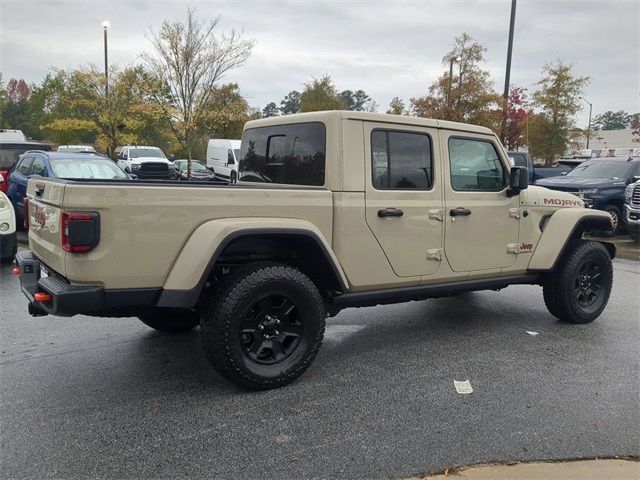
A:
x: 15, y: 103
x: 518, y: 112
x: 187, y: 62
x: 612, y: 120
x: 558, y: 100
x: 320, y: 94
x: 291, y: 103
x: 635, y: 126
x: 356, y: 101
x: 270, y: 110
x: 227, y: 113
x: 82, y: 112
x: 462, y: 94
x: 396, y: 107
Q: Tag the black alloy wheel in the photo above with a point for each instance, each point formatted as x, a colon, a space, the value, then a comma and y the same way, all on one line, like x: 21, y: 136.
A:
x: 587, y: 285
x: 271, y: 330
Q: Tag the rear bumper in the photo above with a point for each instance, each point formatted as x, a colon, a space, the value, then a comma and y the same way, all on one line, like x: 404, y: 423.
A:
x: 68, y: 299
x: 8, y: 245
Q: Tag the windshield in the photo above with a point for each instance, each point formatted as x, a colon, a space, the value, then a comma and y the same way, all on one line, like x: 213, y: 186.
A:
x: 601, y: 169
x: 195, y: 166
x: 100, y: 169
x: 146, y: 152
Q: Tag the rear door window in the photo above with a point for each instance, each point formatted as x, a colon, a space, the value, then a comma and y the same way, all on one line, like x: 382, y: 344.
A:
x: 25, y: 166
x: 288, y: 154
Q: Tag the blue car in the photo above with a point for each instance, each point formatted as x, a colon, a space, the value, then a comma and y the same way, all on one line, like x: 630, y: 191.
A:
x: 600, y: 183
x: 38, y: 163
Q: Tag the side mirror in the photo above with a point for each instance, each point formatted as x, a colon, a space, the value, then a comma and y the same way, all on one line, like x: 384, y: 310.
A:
x: 636, y: 178
x: 172, y: 157
x: 518, y: 180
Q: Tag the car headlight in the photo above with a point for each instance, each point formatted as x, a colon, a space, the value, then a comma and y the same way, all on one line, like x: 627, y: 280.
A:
x: 628, y: 192
x: 135, y: 167
x: 3, y: 204
x: 4, y: 227
x: 587, y: 191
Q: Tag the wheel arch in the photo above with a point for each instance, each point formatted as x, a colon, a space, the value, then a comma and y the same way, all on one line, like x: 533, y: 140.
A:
x: 564, y: 227
x: 247, y: 240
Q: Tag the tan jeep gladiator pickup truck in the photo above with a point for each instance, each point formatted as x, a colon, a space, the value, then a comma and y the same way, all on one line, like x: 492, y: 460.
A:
x: 332, y: 210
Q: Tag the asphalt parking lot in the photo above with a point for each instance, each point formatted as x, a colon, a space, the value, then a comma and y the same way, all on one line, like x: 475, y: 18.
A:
x: 95, y: 397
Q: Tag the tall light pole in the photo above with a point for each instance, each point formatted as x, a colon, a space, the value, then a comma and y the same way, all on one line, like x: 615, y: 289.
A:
x: 589, y: 127
x: 105, y: 27
x: 507, y: 75
x: 453, y: 59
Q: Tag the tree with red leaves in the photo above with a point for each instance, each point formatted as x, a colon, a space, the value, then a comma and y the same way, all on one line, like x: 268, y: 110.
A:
x: 17, y: 91
x: 518, y: 112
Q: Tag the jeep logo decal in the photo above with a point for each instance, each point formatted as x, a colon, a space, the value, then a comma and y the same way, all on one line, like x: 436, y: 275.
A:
x: 562, y: 202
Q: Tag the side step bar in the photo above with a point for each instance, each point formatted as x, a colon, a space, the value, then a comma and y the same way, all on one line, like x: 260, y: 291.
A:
x: 420, y: 292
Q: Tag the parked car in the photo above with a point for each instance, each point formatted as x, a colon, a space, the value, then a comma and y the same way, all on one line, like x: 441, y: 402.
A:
x: 521, y: 159
x: 8, y: 240
x: 600, y: 183
x: 198, y: 170
x: 345, y: 209
x: 222, y: 157
x: 10, y: 151
x: 632, y: 210
x: 76, y: 148
x: 57, y: 165
x: 146, y: 162
x: 10, y: 135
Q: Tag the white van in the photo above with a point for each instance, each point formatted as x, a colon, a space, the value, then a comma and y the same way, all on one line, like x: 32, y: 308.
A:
x: 223, y: 156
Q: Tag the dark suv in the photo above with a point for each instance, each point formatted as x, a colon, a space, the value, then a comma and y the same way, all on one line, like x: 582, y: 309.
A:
x: 600, y: 183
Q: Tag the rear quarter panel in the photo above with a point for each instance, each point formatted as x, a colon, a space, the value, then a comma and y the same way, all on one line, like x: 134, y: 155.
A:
x: 144, y: 228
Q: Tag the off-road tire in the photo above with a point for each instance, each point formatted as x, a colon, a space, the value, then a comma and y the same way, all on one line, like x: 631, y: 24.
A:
x: 223, y: 315
x: 170, y: 320
x: 562, y: 290
x: 613, y: 210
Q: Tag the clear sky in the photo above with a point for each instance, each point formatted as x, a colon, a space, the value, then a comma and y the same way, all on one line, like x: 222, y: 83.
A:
x: 386, y: 48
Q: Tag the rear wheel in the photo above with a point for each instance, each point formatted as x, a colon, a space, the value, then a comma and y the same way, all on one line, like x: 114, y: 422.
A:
x: 578, y: 290
x: 170, y: 320
x: 264, y: 328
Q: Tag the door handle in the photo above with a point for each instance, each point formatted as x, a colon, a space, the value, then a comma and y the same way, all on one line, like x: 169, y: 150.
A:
x: 460, y: 212
x: 390, y: 212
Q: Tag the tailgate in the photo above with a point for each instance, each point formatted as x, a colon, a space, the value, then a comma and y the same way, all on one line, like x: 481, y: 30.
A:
x: 45, y: 207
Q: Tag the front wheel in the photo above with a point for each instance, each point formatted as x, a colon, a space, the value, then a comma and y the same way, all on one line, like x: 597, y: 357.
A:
x: 616, y: 217
x: 578, y: 290
x: 264, y: 328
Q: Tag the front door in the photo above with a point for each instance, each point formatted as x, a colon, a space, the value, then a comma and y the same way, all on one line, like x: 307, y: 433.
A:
x: 404, y: 196
x: 481, y: 221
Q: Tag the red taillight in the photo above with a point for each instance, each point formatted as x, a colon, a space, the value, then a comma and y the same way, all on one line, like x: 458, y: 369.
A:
x: 4, y: 185
x: 15, y: 271
x: 25, y: 221
x: 80, y: 231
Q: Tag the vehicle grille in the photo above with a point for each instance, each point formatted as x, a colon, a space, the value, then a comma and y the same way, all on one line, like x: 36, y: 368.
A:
x: 151, y: 167
x: 635, y: 196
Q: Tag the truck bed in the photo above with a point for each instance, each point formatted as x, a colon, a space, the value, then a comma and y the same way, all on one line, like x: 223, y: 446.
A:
x: 144, y: 224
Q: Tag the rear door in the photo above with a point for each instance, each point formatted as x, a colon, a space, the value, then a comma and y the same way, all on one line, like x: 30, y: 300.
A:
x: 482, y: 222
x: 404, y: 196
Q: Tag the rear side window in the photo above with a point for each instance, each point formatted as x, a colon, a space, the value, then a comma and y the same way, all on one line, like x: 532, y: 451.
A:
x: 289, y: 154
x: 475, y: 165
x: 401, y: 160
